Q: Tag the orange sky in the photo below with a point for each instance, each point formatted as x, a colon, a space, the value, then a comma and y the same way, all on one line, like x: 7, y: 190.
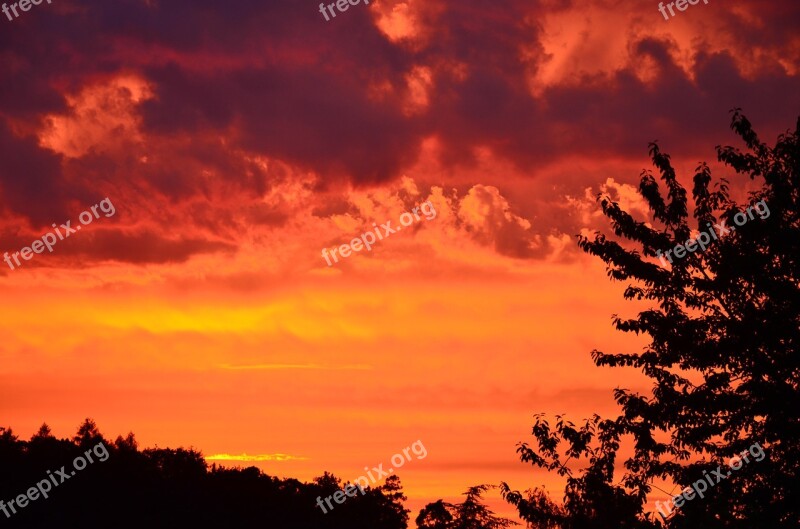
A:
x: 202, y: 312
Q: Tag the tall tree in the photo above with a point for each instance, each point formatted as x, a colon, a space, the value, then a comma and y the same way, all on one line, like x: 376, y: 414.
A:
x: 469, y: 514
x: 724, y: 330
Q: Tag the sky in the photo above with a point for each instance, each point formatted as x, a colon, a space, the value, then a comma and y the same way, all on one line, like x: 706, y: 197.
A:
x: 225, y: 145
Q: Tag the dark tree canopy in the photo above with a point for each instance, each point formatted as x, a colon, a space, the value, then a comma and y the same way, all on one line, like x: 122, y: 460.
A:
x: 173, y: 488
x: 724, y: 331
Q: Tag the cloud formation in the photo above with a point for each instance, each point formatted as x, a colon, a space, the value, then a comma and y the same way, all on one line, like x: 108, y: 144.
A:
x: 129, y: 100
x: 255, y: 457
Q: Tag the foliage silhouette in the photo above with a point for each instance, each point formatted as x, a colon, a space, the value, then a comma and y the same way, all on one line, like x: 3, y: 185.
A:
x: 169, y: 488
x: 724, y: 333
x: 470, y: 514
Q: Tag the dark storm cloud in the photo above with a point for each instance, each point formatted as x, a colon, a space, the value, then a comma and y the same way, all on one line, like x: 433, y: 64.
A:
x: 146, y: 247
x: 314, y: 119
x: 103, y: 244
x: 30, y: 179
x: 274, y: 78
x: 618, y: 114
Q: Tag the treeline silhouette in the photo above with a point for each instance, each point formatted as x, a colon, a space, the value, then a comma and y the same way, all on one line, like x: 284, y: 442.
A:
x: 122, y: 487
x: 172, y: 488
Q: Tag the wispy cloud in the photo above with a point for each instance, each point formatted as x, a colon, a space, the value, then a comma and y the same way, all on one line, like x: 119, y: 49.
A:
x: 354, y: 367
x: 255, y: 457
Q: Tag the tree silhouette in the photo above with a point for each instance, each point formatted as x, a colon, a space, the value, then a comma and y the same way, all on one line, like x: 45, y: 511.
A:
x: 88, y: 434
x: 470, y: 514
x: 724, y: 330
x: 168, y: 488
x: 436, y: 515
x: 44, y: 432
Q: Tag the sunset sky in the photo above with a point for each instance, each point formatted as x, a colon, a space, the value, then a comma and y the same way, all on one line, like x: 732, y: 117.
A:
x: 238, y: 139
